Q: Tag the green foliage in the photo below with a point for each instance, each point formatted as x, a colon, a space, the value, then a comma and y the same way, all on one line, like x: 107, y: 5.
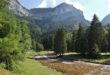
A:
x: 3, y: 3
x: 108, y: 38
x: 24, y: 35
x: 60, y: 45
x: 83, y: 45
x: 14, y: 39
x: 4, y: 29
x: 35, y: 32
x: 91, y: 42
x: 94, y: 36
x: 78, y: 40
x: 45, y: 42
x: 39, y: 47
x: 69, y: 41
x: 9, y: 46
x: 94, y: 52
x: 73, y: 41
x: 48, y: 42
x: 104, y: 44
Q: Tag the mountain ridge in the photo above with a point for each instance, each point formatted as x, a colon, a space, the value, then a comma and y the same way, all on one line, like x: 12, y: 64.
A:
x: 106, y: 20
x: 65, y: 15
x: 49, y: 19
x: 16, y: 8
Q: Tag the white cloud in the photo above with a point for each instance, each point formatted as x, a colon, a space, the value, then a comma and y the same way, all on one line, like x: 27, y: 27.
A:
x: 109, y: 5
x: 53, y: 3
x: 47, y: 3
x: 76, y: 4
x: 79, y: 6
x: 43, y: 4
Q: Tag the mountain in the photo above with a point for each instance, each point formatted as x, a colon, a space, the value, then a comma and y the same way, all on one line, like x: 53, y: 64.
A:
x: 23, y: 14
x: 17, y: 8
x: 63, y: 15
x: 106, y: 20
x: 49, y: 19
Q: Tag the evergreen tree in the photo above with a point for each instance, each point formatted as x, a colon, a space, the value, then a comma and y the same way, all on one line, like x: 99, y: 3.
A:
x: 39, y: 47
x: 69, y: 45
x: 83, y: 45
x: 104, y: 44
x: 73, y: 41
x: 108, y: 38
x: 47, y: 42
x: 78, y: 39
x: 60, y: 42
x: 68, y: 41
x: 51, y: 42
x: 94, y: 37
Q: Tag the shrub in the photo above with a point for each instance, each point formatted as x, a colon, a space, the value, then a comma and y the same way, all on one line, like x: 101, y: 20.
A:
x: 39, y: 47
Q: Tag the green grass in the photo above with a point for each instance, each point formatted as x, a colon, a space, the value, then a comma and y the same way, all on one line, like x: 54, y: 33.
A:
x: 105, y: 57
x: 30, y: 67
x: 32, y: 52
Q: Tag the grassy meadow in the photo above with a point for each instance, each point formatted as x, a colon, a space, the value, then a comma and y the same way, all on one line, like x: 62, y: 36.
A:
x: 30, y: 67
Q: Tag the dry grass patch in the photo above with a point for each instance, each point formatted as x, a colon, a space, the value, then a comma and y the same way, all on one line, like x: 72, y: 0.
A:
x: 69, y: 69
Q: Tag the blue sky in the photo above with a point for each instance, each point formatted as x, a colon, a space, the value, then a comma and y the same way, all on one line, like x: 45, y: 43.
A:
x: 89, y: 7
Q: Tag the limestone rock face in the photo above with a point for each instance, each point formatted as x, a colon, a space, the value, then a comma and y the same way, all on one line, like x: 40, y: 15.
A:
x: 65, y: 15
x: 17, y: 8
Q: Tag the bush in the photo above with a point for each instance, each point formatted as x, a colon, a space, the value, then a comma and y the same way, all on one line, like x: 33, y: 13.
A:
x: 94, y: 52
x: 39, y: 47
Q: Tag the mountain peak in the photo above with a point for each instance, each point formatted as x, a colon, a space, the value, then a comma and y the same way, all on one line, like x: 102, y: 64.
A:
x: 106, y: 20
x: 64, y: 4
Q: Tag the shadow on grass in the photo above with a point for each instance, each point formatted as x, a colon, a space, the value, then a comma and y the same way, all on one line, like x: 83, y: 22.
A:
x: 71, y: 57
x: 105, y: 58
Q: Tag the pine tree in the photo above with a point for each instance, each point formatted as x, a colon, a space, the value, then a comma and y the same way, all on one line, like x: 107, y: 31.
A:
x: 48, y: 42
x: 78, y: 39
x: 94, y: 37
x: 51, y: 42
x: 60, y: 42
x: 69, y: 42
x: 108, y: 38
x: 73, y: 41
x: 104, y: 45
x: 83, y: 45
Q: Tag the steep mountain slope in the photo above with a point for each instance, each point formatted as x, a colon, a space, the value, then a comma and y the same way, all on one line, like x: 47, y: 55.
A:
x: 64, y: 15
x: 106, y: 20
x: 17, y: 8
x: 23, y: 14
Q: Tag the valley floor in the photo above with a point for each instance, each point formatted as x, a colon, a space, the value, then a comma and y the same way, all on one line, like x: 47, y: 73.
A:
x: 76, y: 67
x: 31, y: 67
x: 46, y: 63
